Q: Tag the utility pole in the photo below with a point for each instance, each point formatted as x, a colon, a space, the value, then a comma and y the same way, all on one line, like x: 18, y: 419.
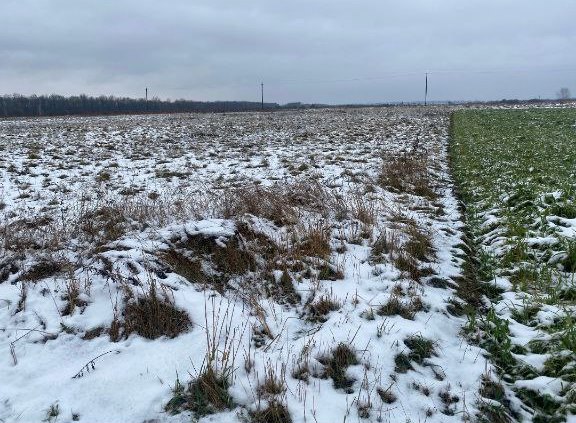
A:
x: 146, y: 103
x: 262, y: 92
x: 426, y: 90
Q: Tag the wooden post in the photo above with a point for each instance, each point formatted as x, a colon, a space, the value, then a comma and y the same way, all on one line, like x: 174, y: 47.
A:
x: 426, y: 90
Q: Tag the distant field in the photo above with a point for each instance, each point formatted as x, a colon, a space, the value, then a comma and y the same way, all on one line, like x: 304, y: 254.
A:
x: 516, y: 170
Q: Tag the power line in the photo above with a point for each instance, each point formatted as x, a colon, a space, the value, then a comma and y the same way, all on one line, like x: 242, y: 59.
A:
x: 384, y: 76
x: 400, y: 74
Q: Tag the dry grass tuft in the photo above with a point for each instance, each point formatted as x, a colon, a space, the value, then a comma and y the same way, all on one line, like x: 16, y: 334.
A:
x: 387, y: 243
x: 272, y: 385
x: 36, y: 233
x: 319, y: 310
x: 283, y: 290
x: 72, y: 296
x: 408, y: 264
x: 9, y: 265
x: 104, y: 224
x: 275, y: 412
x: 386, y: 395
x: 232, y: 259
x: 45, y: 268
x: 315, y: 242
x: 396, y: 307
x: 419, y: 243
x: 337, y: 363
x: 189, y: 269
x: 21, y: 306
x: 362, y: 209
x: 270, y: 203
x: 281, y: 203
x: 330, y: 272
x: 409, y: 174
x: 151, y: 316
x: 310, y: 195
x: 207, y: 394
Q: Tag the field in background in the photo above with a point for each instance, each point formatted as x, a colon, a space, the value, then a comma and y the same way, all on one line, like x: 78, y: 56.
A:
x: 517, y: 176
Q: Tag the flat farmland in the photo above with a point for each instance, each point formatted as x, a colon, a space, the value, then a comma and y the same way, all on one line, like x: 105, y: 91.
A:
x: 298, y: 266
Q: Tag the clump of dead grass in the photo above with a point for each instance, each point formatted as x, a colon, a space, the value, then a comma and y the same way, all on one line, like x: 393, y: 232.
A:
x: 10, y: 265
x: 72, y: 296
x: 34, y: 233
x: 273, y: 386
x: 394, y: 306
x: 231, y: 259
x: 267, y: 202
x: 283, y: 289
x: 407, y: 174
x: 44, y: 268
x: 153, y: 316
x: 317, y: 311
x: 387, y: 243
x: 274, y: 412
x: 336, y: 364
x: 281, y: 203
x: 420, y: 349
x: 190, y: 269
x: 419, y: 244
x: 207, y: 394
x: 103, y: 224
x: 315, y: 241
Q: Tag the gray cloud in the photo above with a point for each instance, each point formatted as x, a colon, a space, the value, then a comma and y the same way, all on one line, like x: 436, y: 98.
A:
x: 313, y: 51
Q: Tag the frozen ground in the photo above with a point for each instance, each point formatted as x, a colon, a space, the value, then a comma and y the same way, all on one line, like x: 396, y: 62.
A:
x: 306, y: 258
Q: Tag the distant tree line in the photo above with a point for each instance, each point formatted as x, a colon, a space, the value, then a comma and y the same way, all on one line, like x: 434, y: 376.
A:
x: 55, y: 105
x: 17, y: 105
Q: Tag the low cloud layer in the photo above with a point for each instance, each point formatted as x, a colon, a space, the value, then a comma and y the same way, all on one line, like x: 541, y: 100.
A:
x: 311, y: 51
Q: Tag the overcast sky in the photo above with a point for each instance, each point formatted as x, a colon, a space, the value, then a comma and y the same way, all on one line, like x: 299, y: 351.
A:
x: 327, y: 51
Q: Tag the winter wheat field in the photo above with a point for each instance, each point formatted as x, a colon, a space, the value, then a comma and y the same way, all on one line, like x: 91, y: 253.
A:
x: 306, y: 266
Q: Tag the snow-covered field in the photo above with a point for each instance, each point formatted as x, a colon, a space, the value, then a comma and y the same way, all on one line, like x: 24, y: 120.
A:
x: 296, y: 266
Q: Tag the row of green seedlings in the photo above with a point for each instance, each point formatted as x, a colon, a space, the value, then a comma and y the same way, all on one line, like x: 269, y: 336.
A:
x: 546, y: 278
x: 486, y: 328
x: 492, y: 333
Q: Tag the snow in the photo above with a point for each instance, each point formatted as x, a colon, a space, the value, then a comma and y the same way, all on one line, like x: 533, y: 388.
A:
x: 207, y: 155
x: 543, y: 385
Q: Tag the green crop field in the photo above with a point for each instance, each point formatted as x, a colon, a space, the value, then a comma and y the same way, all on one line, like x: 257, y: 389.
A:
x: 516, y: 173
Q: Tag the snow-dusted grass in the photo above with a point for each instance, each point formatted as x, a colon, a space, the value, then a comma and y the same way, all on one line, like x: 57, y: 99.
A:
x: 295, y: 266
x: 517, y: 174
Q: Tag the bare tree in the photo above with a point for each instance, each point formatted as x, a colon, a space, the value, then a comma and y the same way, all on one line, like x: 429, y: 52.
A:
x: 563, y: 94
